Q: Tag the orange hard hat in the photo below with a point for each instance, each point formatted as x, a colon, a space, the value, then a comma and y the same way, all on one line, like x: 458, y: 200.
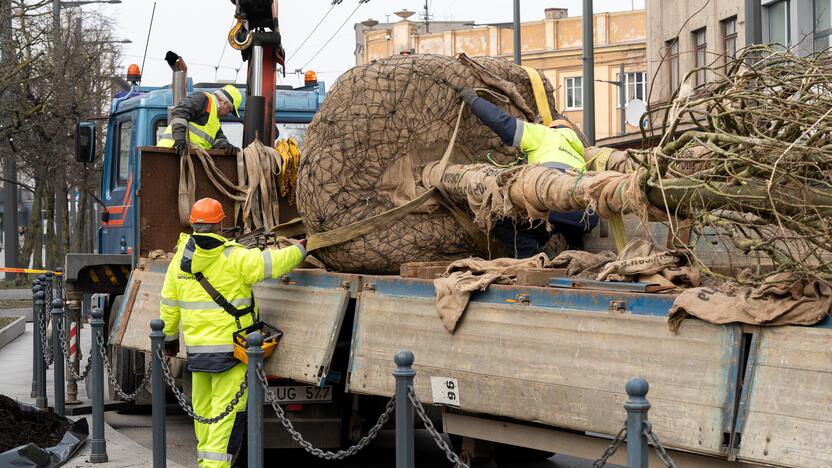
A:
x: 206, y: 211
x: 559, y: 122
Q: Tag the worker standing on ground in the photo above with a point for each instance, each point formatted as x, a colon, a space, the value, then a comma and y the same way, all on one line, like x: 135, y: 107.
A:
x: 208, y: 288
x: 198, y: 117
x: 555, y: 146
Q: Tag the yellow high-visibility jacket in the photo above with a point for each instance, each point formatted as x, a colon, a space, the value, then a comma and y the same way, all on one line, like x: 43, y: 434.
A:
x: 232, y: 270
x: 544, y: 145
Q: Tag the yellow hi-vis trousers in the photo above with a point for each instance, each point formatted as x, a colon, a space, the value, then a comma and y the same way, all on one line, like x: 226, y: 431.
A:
x: 218, y: 442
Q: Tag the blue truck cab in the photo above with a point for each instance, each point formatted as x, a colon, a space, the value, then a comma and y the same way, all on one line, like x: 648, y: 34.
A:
x: 139, y: 116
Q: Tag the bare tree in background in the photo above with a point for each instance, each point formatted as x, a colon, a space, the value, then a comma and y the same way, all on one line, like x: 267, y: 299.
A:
x: 45, y: 96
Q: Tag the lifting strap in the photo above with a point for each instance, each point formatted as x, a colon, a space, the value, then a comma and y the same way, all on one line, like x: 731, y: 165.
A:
x: 619, y: 231
x: 539, y: 94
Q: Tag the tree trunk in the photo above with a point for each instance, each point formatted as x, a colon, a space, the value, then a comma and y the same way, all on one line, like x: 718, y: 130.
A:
x: 35, y: 227
x: 50, y: 241
x: 79, y: 242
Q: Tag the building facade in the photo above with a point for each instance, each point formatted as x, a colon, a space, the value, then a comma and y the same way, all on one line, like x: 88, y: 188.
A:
x: 552, y: 45
x: 687, y: 34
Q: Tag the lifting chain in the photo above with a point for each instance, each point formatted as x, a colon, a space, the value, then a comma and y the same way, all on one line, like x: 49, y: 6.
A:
x: 183, y: 402
x: 611, y: 449
x: 437, y: 437
x: 111, y: 375
x: 298, y: 437
x: 69, y: 364
x: 661, y: 452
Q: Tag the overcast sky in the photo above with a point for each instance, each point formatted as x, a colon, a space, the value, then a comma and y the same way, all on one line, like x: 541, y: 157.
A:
x: 197, y: 29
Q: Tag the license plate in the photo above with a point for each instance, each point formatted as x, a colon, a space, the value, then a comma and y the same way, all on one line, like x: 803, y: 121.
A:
x: 302, y: 394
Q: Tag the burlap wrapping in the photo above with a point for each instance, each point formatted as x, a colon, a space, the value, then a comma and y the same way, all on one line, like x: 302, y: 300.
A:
x: 782, y: 299
x: 638, y: 261
x: 378, y: 126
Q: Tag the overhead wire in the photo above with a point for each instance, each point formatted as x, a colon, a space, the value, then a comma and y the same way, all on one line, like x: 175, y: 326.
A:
x: 334, y: 2
x: 360, y: 2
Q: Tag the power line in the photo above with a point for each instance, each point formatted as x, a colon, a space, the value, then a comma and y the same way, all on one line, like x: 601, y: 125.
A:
x: 360, y: 2
x: 334, y: 2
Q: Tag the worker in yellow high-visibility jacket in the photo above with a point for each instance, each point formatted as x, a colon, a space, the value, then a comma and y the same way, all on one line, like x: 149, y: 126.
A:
x: 198, y: 117
x: 206, y: 260
x: 556, y: 146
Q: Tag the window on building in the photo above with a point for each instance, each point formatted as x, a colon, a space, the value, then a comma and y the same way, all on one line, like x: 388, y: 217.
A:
x: 700, y: 49
x: 729, y: 38
x: 823, y: 24
x: 672, y: 47
x: 778, y: 23
x: 574, y: 92
x: 125, y: 142
x: 635, y: 84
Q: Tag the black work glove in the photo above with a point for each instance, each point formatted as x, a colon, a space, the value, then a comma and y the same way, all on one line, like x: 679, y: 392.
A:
x: 231, y: 150
x: 171, y: 347
x: 181, y: 147
x: 468, y: 95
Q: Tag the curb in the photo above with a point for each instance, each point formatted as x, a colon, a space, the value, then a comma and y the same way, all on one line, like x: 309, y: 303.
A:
x: 12, y: 331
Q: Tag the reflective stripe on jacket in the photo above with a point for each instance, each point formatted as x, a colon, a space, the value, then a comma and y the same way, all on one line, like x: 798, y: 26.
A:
x: 232, y: 270
x: 549, y: 145
x: 199, y: 135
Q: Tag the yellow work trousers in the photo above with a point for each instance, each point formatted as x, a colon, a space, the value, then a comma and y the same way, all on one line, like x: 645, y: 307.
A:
x: 211, y: 393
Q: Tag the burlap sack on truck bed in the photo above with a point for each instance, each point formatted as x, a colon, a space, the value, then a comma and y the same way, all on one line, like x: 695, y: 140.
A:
x: 378, y: 126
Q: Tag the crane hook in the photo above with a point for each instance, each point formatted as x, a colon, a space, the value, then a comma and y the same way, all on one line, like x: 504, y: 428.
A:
x: 232, y: 35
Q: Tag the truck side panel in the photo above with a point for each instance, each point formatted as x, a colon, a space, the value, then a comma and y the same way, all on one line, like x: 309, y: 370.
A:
x: 557, y: 366
x: 310, y: 318
x: 789, y: 406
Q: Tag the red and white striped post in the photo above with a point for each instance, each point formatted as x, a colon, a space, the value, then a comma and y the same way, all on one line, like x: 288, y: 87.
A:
x: 73, y: 318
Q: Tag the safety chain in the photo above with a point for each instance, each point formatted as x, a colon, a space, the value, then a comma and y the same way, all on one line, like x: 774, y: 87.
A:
x: 183, y: 403
x: 111, y: 375
x: 298, y: 437
x: 48, y: 357
x: 611, y: 449
x: 660, y: 450
x: 437, y: 437
x: 69, y: 364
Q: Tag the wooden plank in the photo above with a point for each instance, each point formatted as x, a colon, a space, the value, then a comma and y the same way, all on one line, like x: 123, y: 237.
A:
x: 310, y: 319
x: 562, y: 368
x: 789, y: 419
x: 423, y: 269
x: 538, y: 276
x: 128, y: 308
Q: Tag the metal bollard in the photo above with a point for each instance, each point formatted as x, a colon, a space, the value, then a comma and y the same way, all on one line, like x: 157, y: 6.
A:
x: 157, y: 387
x: 58, y: 353
x: 48, y: 287
x: 99, y: 443
x: 637, y: 407
x: 40, y: 367
x: 255, y: 401
x: 35, y: 342
x: 404, y: 375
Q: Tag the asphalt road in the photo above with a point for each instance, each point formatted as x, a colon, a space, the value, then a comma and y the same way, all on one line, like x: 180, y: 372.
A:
x: 181, y: 448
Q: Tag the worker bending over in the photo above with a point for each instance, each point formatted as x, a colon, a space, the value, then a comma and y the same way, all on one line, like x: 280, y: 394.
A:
x: 206, y: 261
x: 556, y: 146
x: 198, y: 117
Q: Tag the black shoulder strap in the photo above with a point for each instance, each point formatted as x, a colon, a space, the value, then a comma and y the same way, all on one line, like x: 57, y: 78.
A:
x: 221, y: 301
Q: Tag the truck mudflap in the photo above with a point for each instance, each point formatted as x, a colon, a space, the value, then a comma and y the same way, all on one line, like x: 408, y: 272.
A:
x: 560, y: 358
x: 309, y: 308
x: 785, y: 415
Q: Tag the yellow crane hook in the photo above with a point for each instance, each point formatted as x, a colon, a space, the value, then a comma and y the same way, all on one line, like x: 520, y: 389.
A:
x: 232, y: 35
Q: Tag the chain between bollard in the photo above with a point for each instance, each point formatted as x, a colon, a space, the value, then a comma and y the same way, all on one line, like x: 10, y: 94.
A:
x: 111, y: 375
x: 298, y: 437
x: 661, y: 452
x: 48, y: 357
x: 611, y: 449
x: 437, y: 437
x: 69, y: 364
x: 186, y: 407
